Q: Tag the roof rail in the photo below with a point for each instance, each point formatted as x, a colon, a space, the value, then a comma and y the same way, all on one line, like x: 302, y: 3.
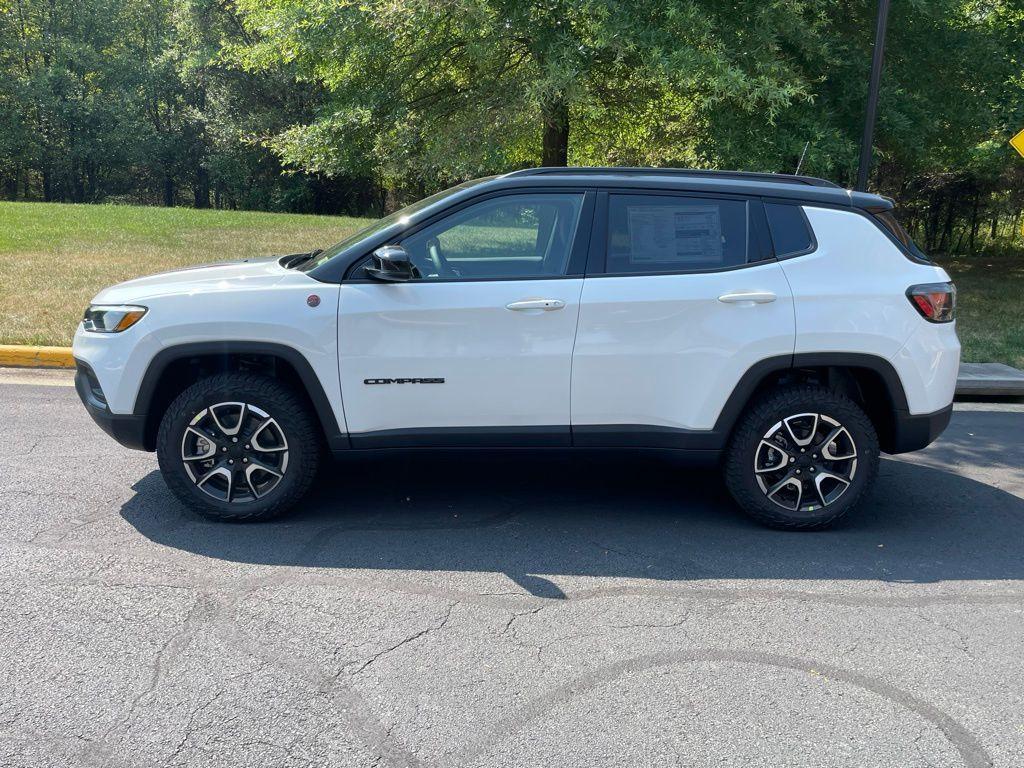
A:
x: 779, y: 178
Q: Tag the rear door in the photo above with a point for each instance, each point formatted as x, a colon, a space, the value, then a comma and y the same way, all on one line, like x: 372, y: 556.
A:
x: 683, y: 298
x: 478, y: 350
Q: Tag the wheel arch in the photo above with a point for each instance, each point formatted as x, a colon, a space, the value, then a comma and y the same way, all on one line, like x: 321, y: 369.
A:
x: 173, y: 369
x: 869, y: 380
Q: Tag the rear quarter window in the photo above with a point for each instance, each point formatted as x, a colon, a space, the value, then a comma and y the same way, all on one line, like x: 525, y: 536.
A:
x: 791, y: 232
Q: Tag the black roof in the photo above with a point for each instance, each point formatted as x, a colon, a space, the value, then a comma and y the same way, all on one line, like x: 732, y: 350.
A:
x: 688, y: 172
x: 800, y: 188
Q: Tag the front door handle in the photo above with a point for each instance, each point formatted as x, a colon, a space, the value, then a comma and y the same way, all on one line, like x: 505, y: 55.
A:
x: 546, y: 305
x: 753, y: 297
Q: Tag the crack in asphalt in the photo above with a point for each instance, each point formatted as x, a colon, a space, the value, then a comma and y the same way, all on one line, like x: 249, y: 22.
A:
x: 401, y: 643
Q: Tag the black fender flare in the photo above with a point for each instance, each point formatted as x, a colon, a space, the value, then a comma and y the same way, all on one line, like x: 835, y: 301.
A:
x: 314, y: 389
x: 751, y: 380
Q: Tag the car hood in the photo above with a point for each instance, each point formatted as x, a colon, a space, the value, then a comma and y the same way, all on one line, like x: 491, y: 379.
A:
x: 208, y: 278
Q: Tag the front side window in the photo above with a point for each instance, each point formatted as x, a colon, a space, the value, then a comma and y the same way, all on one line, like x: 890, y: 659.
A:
x: 398, y: 217
x: 668, y: 233
x: 514, y: 236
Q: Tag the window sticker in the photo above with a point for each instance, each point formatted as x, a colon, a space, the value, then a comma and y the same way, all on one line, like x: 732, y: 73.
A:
x: 685, y: 233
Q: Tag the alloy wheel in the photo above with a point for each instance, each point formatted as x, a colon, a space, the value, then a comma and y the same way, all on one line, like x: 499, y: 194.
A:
x: 234, y: 452
x: 805, y: 462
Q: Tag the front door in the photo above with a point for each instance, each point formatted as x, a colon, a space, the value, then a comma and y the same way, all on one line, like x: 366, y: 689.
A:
x: 478, y: 349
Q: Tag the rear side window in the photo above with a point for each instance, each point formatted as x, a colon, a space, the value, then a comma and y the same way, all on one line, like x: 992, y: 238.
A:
x: 791, y: 234
x: 668, y: 233
x: 892, y: 224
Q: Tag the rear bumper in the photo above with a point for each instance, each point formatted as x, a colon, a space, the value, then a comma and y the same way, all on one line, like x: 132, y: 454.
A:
x: 128, y: 429
x: 914, y: 432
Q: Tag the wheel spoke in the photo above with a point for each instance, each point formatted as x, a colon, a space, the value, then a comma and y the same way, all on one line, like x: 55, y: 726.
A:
x: 218, y: 471
x: 824, y: 475
x: 257, y: 466
x: 210, y: 451
x: 255, y: 442
x: 789, y: 481
x: 220, y: 425
x: 828, y: 442
x: 801, y: 441
x: 783, y: 462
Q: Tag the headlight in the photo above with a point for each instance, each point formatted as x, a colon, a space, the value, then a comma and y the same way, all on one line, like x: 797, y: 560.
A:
x: 111, y: 318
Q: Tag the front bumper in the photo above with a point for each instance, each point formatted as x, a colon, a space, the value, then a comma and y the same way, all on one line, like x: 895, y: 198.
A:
x: 128, y: 429
x: 914, y: 432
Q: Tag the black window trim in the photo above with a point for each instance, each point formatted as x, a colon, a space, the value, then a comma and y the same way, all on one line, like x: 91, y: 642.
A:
x: 807, y: 223
x: 758, y: 238
x: 574, y: 269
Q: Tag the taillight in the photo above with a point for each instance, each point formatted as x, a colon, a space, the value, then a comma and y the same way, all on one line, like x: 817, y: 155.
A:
x: 935, y: 301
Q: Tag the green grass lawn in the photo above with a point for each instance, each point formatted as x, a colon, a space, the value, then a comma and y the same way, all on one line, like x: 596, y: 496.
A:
x: 990, y: 306
x: 54, y: 258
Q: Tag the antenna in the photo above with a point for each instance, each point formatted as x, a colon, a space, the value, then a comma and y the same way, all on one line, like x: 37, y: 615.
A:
x: 800, y: 162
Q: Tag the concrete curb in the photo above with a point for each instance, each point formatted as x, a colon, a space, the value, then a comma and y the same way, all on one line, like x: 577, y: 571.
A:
x: 989, y: 380
x: 17, y: 356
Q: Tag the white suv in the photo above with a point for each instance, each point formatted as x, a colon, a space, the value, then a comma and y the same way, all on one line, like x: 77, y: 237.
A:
x: 781, y: 326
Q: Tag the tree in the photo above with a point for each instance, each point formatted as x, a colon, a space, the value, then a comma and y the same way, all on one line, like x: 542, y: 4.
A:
x: 468, y: 86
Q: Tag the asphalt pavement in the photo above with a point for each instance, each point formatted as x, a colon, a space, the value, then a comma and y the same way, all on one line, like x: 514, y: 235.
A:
x: 505, y: 609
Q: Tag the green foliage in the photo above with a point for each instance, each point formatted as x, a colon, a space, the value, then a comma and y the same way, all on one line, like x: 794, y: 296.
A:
x: 131, y: 100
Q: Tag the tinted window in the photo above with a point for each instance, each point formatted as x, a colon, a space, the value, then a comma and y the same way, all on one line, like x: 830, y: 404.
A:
x: 790, y: 231
x: 662, y: 233
x: 891, y: 223
x: 527, y: 235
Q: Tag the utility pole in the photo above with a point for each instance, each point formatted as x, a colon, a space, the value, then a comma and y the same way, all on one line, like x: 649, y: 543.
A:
x: 873, y: 86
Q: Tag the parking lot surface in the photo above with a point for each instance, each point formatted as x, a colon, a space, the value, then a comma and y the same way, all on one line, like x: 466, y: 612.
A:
x: 505, y: 609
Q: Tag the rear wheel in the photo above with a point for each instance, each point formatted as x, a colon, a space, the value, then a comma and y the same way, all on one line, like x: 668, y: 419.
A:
x: 238, y: 446
x: 801, y: 458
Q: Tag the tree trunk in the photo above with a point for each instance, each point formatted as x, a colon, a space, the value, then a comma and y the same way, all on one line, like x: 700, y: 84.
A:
x: 947, y: 228
x: 555, y: 149
x: 974, y: 222
x: 931, y: 226
x: 168, y: 190
x: 995, y: 226
x: 201, y: 188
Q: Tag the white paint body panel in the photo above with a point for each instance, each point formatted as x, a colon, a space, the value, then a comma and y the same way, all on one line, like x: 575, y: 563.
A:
x: 850, y: 296
x: 245, y: 301
x: 501, y: 367
x: 662, y: 350
x: 928, y: 365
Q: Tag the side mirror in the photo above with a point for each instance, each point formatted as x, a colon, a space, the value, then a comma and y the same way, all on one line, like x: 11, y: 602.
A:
x: 391, y: 264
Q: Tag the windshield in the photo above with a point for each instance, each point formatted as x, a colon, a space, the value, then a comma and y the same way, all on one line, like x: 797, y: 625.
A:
x: 398, y: 217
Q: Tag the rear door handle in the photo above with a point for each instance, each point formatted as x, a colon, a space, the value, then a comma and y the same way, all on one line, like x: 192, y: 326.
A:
x: 754, y: 297
x: 544, y: 304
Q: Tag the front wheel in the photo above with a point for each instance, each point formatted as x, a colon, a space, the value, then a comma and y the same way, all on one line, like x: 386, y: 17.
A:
x: 238, y: 446
x: 801, y: 458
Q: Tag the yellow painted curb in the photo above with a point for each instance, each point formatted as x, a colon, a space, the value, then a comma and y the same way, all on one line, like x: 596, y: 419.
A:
x: 16, y: 356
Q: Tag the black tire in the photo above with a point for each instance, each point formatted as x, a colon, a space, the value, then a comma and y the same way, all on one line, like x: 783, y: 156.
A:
x: 766, y: 417
x: 301, y: 455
